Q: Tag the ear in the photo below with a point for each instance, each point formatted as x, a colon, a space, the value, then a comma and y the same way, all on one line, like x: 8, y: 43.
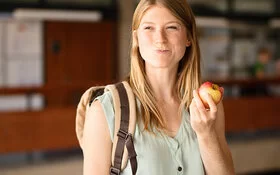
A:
x: 188, y: 43
x: 135, y: 38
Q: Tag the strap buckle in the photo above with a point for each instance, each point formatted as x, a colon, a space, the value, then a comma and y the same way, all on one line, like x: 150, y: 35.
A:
x: 114, y: 171
x: 123, y: 134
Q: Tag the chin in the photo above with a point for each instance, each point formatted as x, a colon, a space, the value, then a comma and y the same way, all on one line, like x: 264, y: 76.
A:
x: 160, y: 65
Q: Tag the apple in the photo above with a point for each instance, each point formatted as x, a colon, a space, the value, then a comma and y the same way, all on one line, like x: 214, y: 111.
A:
x: 213, y: 90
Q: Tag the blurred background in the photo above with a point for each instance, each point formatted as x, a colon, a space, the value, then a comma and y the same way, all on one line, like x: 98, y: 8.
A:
x: 51, y: 51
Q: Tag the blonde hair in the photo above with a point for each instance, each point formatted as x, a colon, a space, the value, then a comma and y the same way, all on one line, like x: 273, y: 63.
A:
x: 188, y: 75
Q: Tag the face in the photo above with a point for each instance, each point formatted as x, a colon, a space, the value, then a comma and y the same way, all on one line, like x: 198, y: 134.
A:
x: 162, y: 38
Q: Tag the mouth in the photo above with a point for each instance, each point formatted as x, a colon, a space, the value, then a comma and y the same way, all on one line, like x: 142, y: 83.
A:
x: 161, y: 50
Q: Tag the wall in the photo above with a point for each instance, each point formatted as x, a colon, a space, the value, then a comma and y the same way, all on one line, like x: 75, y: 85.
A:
x: 126, y: 8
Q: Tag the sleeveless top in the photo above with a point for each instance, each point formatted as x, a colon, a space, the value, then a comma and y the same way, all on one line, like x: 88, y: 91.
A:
x: 160, y: 154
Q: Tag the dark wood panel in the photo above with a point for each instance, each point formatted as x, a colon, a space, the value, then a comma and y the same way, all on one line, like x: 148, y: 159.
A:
x: 251, y: 114
x: 78, y: 52
x: 52, y: 128
x: 78, y: 55
x: 59, y: 95
x: 46, y: 89
x: 86, y: 52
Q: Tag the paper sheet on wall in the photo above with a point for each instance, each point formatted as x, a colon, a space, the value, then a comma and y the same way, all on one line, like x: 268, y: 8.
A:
x: 24, y: 50
x: 37, y: 102
x: 24, y: 37
x: 13, y: 102
x: 24, y: 72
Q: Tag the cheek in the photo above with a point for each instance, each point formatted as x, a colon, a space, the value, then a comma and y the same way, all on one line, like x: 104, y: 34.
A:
x: 143, y: 39
x: 180, y: 47
x: 143, y: 43
x: 181, y: 51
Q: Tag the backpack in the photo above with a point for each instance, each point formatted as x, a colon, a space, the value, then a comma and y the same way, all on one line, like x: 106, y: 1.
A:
x: 125, y: 122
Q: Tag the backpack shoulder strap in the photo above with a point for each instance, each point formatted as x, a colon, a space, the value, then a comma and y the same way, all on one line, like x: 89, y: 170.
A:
x: 125, y: 122
x: 83, y: 105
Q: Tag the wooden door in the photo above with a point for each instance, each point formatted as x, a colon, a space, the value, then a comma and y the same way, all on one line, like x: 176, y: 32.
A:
x: 78, y: 54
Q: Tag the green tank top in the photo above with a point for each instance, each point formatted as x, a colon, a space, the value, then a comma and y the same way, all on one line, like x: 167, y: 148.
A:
x: 159, y: 154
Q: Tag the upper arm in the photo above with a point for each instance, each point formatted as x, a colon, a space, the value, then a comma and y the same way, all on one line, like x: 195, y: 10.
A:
x: 97, y: 144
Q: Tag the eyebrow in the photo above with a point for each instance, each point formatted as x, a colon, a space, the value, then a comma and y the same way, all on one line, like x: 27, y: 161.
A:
x: 170, y: 22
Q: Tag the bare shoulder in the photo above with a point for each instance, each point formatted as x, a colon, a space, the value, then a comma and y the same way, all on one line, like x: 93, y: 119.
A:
x: 95, y: 124
x: 96, y: 110
x: 97, y: 143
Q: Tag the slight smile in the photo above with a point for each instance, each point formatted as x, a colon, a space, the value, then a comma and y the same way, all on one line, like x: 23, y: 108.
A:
x: 161, y: 51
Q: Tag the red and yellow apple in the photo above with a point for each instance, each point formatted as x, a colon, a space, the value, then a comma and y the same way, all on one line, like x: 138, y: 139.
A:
x: 213, y: 90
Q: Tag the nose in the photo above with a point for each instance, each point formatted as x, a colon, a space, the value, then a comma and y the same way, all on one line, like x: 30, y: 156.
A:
x: 160, y: 36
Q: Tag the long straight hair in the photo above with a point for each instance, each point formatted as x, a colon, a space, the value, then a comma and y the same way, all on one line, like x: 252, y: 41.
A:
x: 188, y: 74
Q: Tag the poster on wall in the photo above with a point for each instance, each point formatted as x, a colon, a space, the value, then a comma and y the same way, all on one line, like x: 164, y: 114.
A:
x: 24, y: 53
x: 21, y: 63
x: 24, y: 38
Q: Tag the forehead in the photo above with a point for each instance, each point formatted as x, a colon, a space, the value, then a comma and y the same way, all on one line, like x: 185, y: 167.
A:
x: 158, y: 13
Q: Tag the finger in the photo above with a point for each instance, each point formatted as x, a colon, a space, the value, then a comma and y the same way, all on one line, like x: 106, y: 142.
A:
x: 198, y: 100
x: 200, y: 108
x: 211, y: 103
x: 194, y: 111
x: 199, y: 103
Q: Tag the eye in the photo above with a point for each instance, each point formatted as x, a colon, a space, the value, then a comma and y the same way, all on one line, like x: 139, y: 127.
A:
x: 147, y: 28
x: 172, y: 27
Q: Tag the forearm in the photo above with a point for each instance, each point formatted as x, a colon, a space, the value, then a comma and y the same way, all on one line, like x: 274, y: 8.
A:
x: 215, y: 154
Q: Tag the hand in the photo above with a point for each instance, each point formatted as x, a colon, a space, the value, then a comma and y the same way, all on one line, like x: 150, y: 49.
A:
x: 203, y: 120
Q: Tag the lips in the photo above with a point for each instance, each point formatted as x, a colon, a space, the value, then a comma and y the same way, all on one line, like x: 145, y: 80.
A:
x: 161, y: 50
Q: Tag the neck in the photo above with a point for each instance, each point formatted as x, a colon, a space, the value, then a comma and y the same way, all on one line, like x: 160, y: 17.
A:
x: 163, y: 85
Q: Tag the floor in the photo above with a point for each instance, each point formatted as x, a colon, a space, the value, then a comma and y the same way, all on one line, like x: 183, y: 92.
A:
x: 251, y: 157
x: 59, y: 162
x: 256, y: 155
x: 72, y: 166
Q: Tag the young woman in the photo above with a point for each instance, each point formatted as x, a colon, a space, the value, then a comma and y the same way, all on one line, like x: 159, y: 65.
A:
x: 174, y: 134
